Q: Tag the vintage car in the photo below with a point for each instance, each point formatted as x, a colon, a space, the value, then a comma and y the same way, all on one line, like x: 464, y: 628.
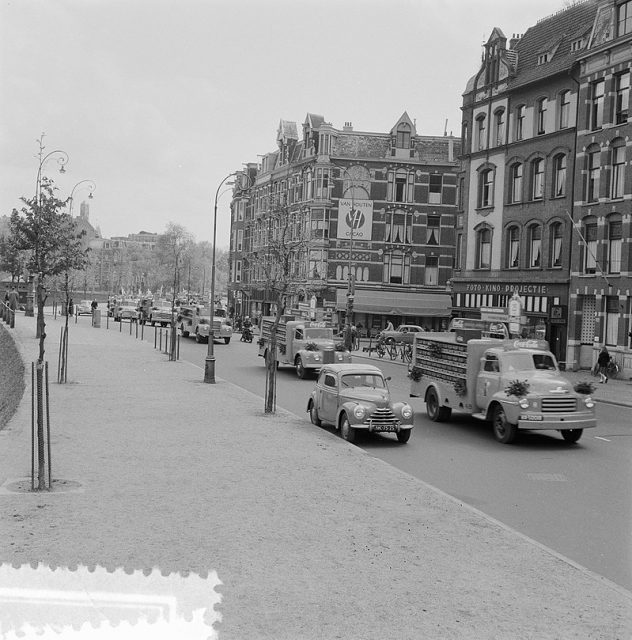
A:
x: 403, y: 333
x: 84, y: 308
x: 354, y: 398
x: 160, y: 313
x: 126, y: 309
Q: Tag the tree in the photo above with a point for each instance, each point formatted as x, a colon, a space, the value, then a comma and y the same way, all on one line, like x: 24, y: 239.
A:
x: 279, y: 260
x: 170, y: 249
x: 11, y: 258
x: 53, y: 246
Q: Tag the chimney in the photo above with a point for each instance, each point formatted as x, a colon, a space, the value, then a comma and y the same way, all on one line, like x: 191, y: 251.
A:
x: 515, y: 39
x: 348, y: 126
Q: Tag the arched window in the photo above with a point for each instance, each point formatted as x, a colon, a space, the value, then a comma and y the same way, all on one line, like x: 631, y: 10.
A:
x: 480, y: 132
x: 593, y: 174
x: 537, y: 179
x: 403, y: 136
x: 499, y: 127
x: 555, y: 245
x: 513, y: 247
x: 535, y: 246
x: 559, y: 175
x: 565, y: 109
x: 541, y: 119
x: 617, y: 177
x: 589, y: 231
x: 484, y: 248
x: 615, y: 240
x: 486, y: 188
x: 515, y: 186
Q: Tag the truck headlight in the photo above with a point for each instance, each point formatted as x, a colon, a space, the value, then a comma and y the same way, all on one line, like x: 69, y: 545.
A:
x: 589, y: 402
x: 359, y: 412
x: 407, y: 411
x: 524, y: 403
x: 316, y: 356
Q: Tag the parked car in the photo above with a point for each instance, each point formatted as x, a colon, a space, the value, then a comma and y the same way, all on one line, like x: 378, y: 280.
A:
x: 403, y: 333
x: 355, y: 397
x: 84, y: 307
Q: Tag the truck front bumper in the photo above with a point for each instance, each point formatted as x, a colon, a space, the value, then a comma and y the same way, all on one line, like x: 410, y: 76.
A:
x: 541, y: 422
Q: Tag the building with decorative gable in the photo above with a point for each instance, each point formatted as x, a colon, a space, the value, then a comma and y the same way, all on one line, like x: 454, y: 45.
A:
x: 377, y: 210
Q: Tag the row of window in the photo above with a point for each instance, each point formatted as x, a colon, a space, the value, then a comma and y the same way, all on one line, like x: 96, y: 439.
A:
x: 609, y: 262
x: 526, y: 181
x: 618, y: 104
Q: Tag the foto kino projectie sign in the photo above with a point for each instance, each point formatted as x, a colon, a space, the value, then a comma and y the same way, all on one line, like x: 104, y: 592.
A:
x: 359, y: 218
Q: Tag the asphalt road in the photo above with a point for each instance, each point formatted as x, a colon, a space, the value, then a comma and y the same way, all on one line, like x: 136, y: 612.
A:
x: 571, y: 498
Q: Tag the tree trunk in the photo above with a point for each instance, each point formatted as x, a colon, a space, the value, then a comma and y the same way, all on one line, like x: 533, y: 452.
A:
x: 41, y: 326
x: 271, y: 364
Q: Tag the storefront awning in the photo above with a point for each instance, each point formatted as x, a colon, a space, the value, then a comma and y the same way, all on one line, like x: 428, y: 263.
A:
x: 394, y: 303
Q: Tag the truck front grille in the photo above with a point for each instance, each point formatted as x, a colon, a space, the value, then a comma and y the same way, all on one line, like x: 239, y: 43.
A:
x: 328, y: 356
x: 559, y: 405
x: 382, y: 416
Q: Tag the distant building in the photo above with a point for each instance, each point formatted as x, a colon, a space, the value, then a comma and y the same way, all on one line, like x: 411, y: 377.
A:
x: 402, y: 187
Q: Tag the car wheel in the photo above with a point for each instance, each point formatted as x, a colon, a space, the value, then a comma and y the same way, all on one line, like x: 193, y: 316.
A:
x: 347, y: 432
x: 435, y: 411
x: 572, y: 435
x: 504, y: 431
x: 390, y: 341
x: 404, y: 435
x: 300, y: 369
x: 313, y: 415
x: 226, y: 340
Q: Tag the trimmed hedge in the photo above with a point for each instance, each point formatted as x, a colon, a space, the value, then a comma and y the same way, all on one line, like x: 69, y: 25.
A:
x: 11, y: 377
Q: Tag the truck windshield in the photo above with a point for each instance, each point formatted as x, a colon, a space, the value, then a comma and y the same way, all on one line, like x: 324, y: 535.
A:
x: 525, y: 361
x: 363, y: 380
x: 321, y: 332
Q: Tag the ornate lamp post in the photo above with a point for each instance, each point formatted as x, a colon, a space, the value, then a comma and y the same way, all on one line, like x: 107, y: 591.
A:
x: 90, y: 185
x: 209, y: 363
x: 62, y: 160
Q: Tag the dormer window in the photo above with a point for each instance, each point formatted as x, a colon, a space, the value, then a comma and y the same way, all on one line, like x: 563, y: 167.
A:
x: 543, y: 58
x: 403, y: 136
x: 577, y: 45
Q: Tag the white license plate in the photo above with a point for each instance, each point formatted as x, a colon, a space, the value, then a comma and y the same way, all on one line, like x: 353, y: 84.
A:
x: 529, y: 418
x: 384, y: 427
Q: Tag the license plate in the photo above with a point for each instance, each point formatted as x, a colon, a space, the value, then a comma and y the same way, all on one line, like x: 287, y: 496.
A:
x: 384, y: 427
x: 532, y: 418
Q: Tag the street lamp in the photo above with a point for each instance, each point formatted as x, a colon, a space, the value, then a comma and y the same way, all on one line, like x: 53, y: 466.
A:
x: 91, y: 185
x: 62, y: 160
x: 209, y: 363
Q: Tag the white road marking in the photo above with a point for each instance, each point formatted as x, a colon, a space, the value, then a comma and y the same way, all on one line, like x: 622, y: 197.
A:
x: 604, y: 439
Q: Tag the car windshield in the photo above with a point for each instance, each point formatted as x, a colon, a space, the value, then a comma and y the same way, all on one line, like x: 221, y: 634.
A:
x: 363, y: 380
x: 525, y: 361
x: 320, y: 332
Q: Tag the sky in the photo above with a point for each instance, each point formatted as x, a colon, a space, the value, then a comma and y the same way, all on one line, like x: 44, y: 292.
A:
x: 157, y: 101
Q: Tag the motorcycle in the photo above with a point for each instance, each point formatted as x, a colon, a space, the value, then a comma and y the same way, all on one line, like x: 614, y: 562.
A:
x: 246, y: 334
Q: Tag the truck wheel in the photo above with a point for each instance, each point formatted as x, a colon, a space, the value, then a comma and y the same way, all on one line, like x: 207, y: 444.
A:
x: 572, y: 435
x: 313, y: 415
x: 226, y: 340
x: 404, y: 435
x: 435, y: 411
x: 504, y: 432
x: 300, y: 369
x: 347, y: 432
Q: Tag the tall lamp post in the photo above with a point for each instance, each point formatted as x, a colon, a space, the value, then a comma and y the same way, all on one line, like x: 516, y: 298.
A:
x: 62, y: 160
x: 209, y: 362
x: 90, y: 185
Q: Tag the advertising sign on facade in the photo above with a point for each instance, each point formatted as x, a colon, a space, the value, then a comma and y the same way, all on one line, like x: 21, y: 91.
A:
x: 355, y: 216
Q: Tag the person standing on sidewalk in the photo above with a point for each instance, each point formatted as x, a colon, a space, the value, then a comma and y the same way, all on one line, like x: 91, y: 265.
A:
x: 602, y: 362
x: 13, y: 299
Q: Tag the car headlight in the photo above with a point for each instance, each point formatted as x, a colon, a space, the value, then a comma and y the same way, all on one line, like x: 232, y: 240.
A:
x: 316, y: 356
x: 524, y: 403
x: 589, y: 402
x: 359, y: 412
x: 407, y: 411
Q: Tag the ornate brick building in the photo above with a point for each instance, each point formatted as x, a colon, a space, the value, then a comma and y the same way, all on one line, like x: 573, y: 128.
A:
x: 376, y: 208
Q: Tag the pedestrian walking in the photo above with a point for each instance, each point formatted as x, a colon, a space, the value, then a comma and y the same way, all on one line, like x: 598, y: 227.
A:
x: 603, y: 360
x: 13, y: 299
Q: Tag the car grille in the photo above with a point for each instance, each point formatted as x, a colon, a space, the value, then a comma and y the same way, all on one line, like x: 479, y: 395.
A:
x: 382, y: 416
x: 559, y: 405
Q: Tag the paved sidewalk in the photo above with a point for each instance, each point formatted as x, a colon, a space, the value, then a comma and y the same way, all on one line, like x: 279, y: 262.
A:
x: 310, y: 537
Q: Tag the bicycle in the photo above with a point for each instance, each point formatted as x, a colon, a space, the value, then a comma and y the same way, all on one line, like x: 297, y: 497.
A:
x: 406, y: 352
x: 613, y: 368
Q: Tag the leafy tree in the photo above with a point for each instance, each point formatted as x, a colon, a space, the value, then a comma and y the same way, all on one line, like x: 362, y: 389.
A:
x: 279, y: 259
x: 53, y: 246
x: 11, y: 258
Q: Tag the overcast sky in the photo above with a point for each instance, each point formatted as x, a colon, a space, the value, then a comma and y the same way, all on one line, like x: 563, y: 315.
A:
x: 157, y: 101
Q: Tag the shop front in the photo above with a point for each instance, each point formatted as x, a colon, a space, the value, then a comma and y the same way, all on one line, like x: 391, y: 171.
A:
x: 544, y: 311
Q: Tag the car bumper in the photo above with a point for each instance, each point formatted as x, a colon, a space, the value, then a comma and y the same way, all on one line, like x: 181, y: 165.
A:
x: 565, y: 421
